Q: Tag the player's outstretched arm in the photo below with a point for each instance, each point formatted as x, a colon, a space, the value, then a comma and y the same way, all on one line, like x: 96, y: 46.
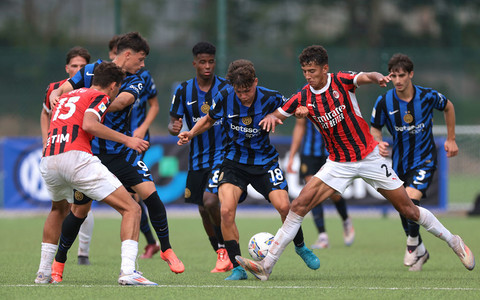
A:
x: 271, y: 120
x: 92, y: 125
x: 202, y: 125
x: 373, y: 77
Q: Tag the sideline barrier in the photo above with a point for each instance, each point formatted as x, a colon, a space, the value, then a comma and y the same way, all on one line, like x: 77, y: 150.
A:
x: 22, y: 186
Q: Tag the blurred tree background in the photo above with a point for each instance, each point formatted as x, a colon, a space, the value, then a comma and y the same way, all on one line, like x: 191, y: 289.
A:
x: 442, y: 38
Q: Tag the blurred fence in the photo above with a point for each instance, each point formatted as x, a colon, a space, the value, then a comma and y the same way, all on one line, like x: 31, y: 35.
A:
x: 454, y: 72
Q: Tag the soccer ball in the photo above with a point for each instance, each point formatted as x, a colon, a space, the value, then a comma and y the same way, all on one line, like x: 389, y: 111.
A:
x: 259, y: 244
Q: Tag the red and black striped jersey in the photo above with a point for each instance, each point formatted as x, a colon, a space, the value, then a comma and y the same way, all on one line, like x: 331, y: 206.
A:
x: 66, y: 133
x: 52, y: 86
x: 335, y: 113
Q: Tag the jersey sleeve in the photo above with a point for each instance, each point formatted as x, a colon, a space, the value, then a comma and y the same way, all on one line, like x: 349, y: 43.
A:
x: 134, y: 85
x: 176, y: 108
x: 217, y: 110
x: 439, y: 100
x: 290, y: 105
x: 99, y: 106
x: 378, y: 116
x: 348, y: 80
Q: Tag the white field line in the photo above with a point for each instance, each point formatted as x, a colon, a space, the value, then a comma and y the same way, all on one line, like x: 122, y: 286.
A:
x: 258, y: 287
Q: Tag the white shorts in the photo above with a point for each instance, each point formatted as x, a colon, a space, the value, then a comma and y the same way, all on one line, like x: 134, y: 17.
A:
x: 373, y: 169
x: 77, y: 170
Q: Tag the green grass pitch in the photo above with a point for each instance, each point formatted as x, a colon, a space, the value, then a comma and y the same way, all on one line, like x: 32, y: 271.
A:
x: 372, y: 268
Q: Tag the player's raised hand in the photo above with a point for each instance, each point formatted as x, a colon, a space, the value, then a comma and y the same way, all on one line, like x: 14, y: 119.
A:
x: 383, y: 80
x: 301, y: 112
x: 383, y: 149
x: 137, y: 144
x: 451, y: 148
x: 184, y: 138
x: 269, y: 122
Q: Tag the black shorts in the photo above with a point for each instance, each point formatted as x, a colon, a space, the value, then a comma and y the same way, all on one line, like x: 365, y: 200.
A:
x: 80, y: 198
x: 420, y: 178
x: 311, y: 164
x: 200, y: 181
x: 264, y: 179
x: 128, y: 168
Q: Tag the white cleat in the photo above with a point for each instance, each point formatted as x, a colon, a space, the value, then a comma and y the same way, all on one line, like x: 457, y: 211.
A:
x: 348, y: 232
x: 463, y: 252
x: 322, y: 241
x: 421, y: 260
x: 254, y: 267
x: 411, y: 256
x: 42, y: 278
x: 135, y: 278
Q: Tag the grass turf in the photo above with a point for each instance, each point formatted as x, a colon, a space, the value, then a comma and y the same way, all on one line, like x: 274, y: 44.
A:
x: 371, y: 268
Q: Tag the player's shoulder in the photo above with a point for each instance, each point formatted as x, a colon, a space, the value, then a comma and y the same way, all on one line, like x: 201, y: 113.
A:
x: 426, y: 91
x: 269, y: 92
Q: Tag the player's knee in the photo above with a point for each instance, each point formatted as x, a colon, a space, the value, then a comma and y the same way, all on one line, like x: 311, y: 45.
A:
x: 410, y: 212
x: 210, y: 205
x: 228, y: 214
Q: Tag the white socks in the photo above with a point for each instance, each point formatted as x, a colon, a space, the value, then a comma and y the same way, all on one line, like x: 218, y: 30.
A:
x: 433, y: 225
x: 85, y: 235
x: 129, y: 255
x: 283, y: 237
x: 46, y: 258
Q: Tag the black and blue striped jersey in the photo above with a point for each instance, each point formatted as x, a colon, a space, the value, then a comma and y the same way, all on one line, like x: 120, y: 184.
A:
x: 313, y: 143
x: 120, y: 120
x: 139, y: 109
x: 247, y: 142
x: 191, y: 104
x: 410, y: 124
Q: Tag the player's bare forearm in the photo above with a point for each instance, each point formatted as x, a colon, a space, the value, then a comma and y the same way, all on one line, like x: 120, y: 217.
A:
x: 450, y: 144
x: 123, y: 100
x: 382, y: 146
x: 373, y: 77
x: 151, y: 114
x: 202, y: 125
x: 297, y: 136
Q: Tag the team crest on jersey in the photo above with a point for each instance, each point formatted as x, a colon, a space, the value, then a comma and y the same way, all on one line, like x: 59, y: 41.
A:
x: 205, y: 108
x: 247, y: 120
x: 336, y: 95
x: 188, y: 194
x: 78, y: 196
x: 408, y: 118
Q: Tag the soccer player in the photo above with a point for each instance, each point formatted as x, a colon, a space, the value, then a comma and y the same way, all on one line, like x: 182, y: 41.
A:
x: 125, y: 163
x: 312, y: 158
x: 68, y: 163
x: 192, y: 101
x: 140, y: 122
x: 407, y: 111
x: 250, y: 158
x: 329, y: 102
x: 77, y: 58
